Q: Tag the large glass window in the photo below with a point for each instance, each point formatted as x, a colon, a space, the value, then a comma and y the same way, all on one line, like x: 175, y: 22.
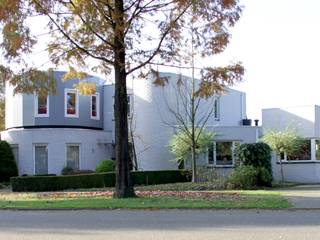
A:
x: 41, y: 159
x: 41, y: 106
x: 302, y: 151
x: 318, y: 149
x: 73, y: 156
x: 222, y: 153
x: 71, y: 103
x: 95, y: 106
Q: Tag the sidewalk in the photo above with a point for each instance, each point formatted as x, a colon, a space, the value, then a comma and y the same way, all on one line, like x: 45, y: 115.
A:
x: 303, y: 197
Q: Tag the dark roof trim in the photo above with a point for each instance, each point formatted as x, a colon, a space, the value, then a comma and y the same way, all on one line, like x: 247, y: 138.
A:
x: 55, y: 126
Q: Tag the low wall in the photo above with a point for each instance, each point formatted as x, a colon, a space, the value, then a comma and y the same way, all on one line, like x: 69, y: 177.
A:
x: 307, y: 171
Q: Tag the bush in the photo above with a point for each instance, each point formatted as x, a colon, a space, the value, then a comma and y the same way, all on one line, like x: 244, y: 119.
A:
x: 67, y: 171
x: 94, y: 180
x: 160, y: 177
x: 257, y: 155
x: 106, y: 166
x: 243, y: 177
x: 8, y: 167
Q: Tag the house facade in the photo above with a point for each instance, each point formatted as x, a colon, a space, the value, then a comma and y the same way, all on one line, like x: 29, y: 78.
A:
x: 304, y: 165
x: 48, y: 133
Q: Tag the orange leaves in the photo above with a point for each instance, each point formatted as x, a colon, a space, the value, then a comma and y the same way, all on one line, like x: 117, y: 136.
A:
x: 72, y: 73
x: 215, y: 80
x: 86, y: 88
x: 8, y: 8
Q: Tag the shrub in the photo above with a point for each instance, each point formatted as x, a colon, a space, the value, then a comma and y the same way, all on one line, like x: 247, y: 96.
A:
x: 67, y: 171
x: 94, y: 180
x: 160, y: 177
x: 243, y: 177
x: 257, y: 155
x: 264, y: 177
x: 8, y: 167
x: 106, y: 166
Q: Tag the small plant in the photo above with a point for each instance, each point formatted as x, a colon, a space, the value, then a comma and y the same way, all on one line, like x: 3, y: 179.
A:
x: 106, y: 166
x: 243, y: 177
x: 67, y: 171
x: 207, y: 174
x: 8, y: 167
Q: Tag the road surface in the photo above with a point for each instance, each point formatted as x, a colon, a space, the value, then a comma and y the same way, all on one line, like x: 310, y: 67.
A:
x: 164, y: 224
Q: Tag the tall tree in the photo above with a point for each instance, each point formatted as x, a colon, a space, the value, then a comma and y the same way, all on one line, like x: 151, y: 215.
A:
x: 123, y: 35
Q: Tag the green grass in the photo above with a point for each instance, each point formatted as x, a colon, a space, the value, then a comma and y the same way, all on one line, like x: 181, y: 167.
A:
x: 245, y: 200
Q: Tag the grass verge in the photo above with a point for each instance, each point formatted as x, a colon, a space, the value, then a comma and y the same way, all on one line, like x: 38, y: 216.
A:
x: 212, y: 200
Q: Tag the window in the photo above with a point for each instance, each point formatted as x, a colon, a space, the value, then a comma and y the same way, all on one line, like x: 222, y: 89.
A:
x: 216, y: 108
x: 71, y: 103
x: 73, y: 156
x: 302, y: 152
x: 41, y: 159
x: 129, y: 106
x: 15, y: 151
x: 95, y: 106
x: 222, y: 153
x: 317, y: 149
x: 41, y: 106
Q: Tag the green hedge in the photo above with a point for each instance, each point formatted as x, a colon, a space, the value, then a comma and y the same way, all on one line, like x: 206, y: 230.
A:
x: 94, y: 180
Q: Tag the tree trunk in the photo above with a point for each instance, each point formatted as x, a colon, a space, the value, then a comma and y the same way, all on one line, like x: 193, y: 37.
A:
x: 193, y: 162
x: 124, y: 186
x: 281, y: 169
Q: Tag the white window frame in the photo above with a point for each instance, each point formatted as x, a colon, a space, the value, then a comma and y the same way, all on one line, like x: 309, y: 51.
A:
x: 97, y: 117
x: 66, y: 153
x: 215, y: 154
x: 34, y: 155
x: 36, y: 107
x: 66, y: 91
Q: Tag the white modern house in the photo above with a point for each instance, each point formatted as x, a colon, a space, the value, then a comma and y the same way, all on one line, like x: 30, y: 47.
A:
x: 68, y: 129
x: 304, y: 166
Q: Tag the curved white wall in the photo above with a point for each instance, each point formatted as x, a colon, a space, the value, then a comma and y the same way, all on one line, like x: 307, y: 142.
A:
x: 94, y: 147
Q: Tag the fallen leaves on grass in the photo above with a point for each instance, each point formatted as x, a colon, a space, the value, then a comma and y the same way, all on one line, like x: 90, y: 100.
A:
x: 146, y: 194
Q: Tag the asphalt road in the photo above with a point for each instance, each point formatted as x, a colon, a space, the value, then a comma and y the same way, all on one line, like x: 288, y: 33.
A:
x: 170, y: 224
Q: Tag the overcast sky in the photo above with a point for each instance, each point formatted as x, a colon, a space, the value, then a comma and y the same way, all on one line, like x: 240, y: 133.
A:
x: 278, y: 42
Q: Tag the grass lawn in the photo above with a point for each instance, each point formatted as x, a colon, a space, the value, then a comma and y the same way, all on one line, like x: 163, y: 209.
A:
x: 147, y: 200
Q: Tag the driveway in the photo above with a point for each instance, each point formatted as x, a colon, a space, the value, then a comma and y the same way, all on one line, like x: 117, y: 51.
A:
x: 303, y: 197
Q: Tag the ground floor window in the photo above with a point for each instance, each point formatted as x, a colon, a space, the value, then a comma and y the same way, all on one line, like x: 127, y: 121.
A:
x: 221, y: 153
x: 302, y: 151
x: 73, y: 156
x: 41, y: 159
x: 15, y: 151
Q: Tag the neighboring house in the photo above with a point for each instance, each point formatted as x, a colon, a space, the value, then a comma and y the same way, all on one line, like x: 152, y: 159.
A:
x: 69, y: 129
x: 304, y: 166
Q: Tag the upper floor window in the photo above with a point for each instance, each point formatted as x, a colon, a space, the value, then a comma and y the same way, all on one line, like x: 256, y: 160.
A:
x: 129, y: 106
x: 95, y: 107
x: 71, y: 103
x: 41, y: 106
x: 216, y: 108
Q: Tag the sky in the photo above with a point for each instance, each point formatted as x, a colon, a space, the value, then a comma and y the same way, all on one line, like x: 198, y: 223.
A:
x: 278, y: 42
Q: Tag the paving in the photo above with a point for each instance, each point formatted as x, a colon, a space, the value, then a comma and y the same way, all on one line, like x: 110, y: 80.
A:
x: 303, y: 196
x: 160, y: 224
